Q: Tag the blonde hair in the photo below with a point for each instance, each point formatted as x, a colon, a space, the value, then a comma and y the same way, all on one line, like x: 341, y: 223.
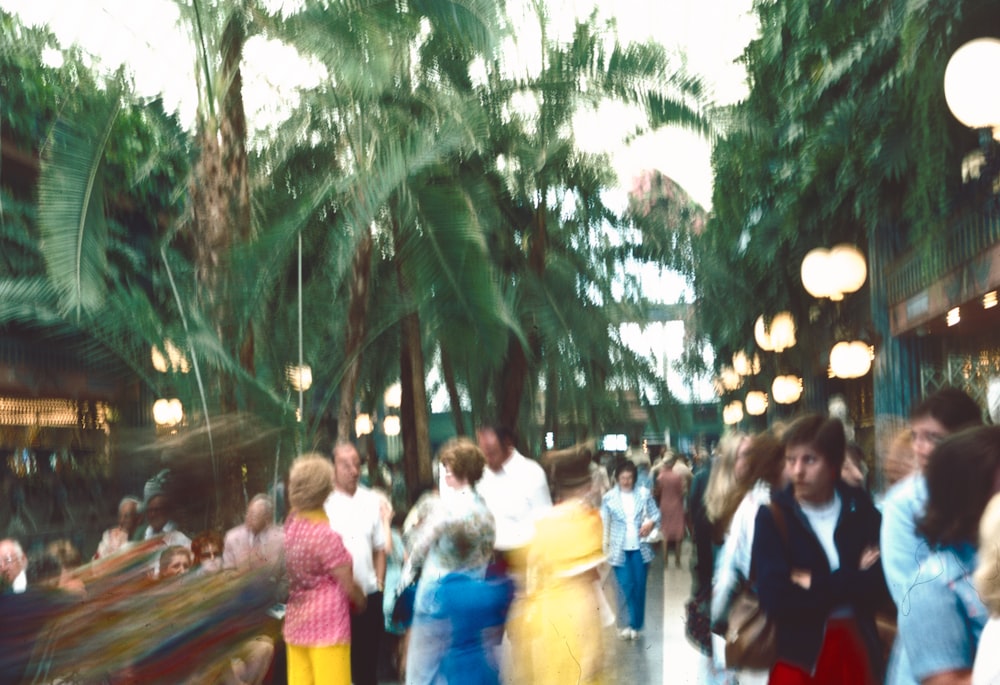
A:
x: 987, y: 575
x: 463, y: 458
x: 310, y: 481
x: 722, y: 482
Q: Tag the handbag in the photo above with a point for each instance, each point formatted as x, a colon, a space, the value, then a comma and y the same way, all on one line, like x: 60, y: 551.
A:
x: 751, y: 635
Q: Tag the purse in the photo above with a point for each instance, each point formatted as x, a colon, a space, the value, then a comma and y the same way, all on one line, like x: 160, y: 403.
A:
x: 751, y: 635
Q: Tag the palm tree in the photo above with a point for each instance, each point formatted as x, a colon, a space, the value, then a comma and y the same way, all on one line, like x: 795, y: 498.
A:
x: 557, y: 244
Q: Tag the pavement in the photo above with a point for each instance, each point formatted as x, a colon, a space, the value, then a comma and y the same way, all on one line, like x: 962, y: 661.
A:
x: 662, y: 655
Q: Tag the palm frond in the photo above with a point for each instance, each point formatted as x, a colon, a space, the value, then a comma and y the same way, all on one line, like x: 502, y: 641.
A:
x: 71, y: 217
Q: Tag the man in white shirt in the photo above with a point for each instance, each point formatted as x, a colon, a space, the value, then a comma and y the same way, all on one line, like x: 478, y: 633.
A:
x: 515, y: 490
x: 13, y: 564
x: 354, y: 513
x: 257, y: 543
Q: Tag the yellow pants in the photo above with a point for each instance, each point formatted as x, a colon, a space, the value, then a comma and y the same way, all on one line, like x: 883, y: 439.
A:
x: 319, y: 665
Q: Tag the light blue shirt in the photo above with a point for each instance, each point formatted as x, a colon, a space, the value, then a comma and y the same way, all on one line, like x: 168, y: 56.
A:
x: 946, y: 617
x: 903, y: 549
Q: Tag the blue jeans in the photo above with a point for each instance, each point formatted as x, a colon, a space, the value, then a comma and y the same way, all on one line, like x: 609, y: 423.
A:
x: 632, y: 589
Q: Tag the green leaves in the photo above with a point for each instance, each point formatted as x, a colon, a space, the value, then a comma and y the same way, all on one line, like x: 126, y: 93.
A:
x: 71, y: 216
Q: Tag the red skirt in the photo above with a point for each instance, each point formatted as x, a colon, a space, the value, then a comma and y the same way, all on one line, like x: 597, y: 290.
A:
x: 843, y: 660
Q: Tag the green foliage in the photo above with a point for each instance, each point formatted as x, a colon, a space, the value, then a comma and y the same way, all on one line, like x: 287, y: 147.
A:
x: 845, y: 133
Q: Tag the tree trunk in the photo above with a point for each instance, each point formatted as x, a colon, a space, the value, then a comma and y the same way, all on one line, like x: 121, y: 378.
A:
x: 414, y: 415
x: 220, y: 200
x: 552, y: 405
x: 517, y: 366
x: 354, y: 337
x: 448, y: 371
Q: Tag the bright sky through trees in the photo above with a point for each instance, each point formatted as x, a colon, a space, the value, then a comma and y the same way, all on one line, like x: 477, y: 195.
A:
x: 707, y: 38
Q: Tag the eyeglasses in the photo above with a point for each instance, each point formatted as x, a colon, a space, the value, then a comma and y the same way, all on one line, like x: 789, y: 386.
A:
x: 205, y: 556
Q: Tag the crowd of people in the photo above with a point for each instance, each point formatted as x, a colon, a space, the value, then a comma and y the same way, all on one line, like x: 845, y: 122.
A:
x: 896, y: 588
x: 512, y: 570
x: 501, y: 573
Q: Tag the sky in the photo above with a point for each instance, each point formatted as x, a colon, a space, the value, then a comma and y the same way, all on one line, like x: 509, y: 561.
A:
x: 706, y: 37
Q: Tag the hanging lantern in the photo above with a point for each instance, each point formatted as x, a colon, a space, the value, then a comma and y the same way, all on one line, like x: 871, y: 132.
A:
x: 850, y: 359
x: 729, y: 378
x: 835, y: 272
x: 782, y: 331
x: 761, y: 335
x: 816, y: 277
x: 744, y: 366
x: 756, y: 402
x: 732, y: 413
x: 393, y: 396
x: 168, y: 412
x: 847, y: 265
x: 786, y: 389
x: 363, y: 425
x: 299, y: 377
x: 390, y: 425
x: 779, y: 336
x: 973, y: 104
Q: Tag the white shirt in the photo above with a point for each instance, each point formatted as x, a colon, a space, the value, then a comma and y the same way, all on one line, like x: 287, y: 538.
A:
x: 986, y: 668
x: 171, y: 536
x: 517, y: 495
x: 20, y: 583
x: 823, y: 520
x: 631, y: 530
x: 733, y: 561
x: 356, y: 518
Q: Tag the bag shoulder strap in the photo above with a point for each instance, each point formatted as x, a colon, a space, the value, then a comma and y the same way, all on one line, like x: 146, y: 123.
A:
x: 782, y: 525
x: 779, y: 521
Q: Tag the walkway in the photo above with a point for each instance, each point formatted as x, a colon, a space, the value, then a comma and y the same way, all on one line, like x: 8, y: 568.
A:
x: 662, y: 655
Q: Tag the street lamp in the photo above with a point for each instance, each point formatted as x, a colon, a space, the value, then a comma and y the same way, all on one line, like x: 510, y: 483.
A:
x: 974, y: 105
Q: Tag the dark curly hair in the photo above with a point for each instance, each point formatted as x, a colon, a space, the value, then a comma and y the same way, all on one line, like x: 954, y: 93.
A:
x: 961, y: 478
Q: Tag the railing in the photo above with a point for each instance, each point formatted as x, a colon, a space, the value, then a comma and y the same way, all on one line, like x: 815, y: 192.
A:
x: 955, y: 245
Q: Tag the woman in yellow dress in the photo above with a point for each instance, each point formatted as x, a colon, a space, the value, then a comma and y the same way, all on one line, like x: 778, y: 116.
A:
x: 565, y: 604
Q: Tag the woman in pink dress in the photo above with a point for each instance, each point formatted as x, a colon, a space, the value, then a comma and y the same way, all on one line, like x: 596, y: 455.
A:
x: 670, y: 487
x: 321, y: 586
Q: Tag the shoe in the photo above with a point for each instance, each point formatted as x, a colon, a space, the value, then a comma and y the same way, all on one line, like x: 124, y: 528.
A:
x: 625, y: 633
x: 635, y: 635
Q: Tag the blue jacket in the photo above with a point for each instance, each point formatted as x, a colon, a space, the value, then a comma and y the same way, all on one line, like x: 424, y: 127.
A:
x: 801, y: 614
x: 614, y: 523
